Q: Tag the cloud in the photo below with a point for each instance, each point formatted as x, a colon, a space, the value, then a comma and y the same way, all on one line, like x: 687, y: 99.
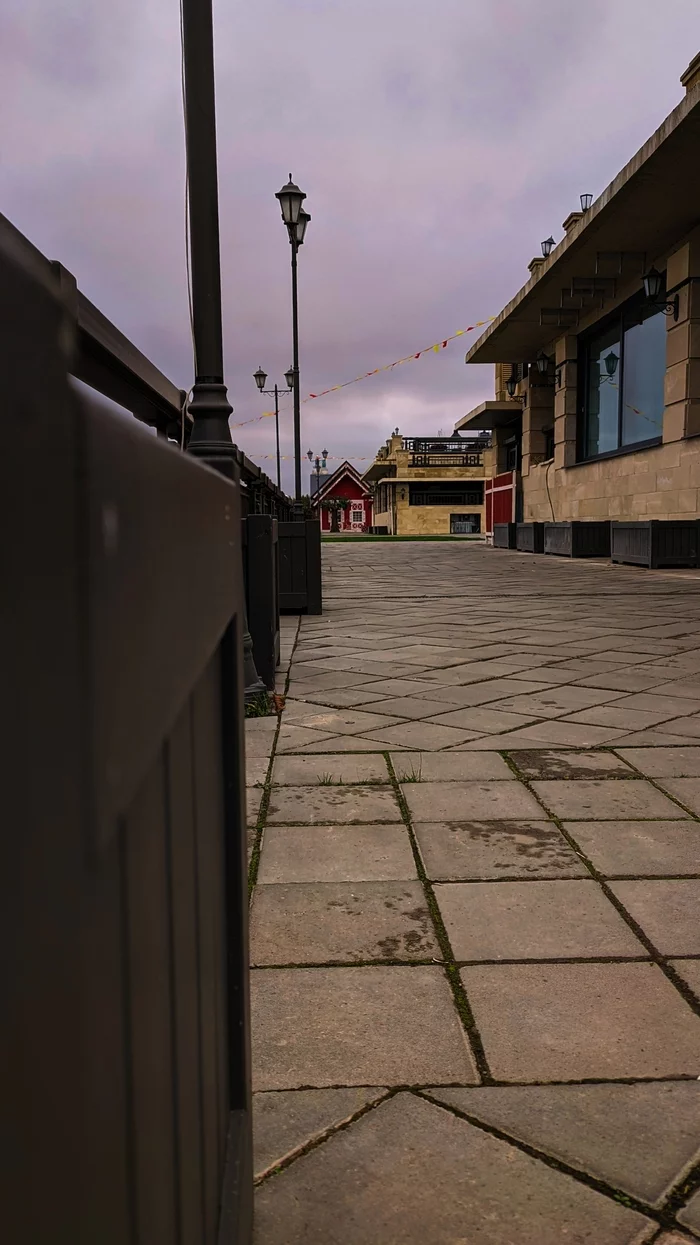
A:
x: 437, y: 145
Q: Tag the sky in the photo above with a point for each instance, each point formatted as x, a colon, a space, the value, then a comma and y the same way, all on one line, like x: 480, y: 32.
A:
x: 438, y: 144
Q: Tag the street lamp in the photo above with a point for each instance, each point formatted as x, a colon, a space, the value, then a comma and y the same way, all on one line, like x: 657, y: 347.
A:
x: 320, y: 463
x: 210, y: 438
x: 547, y: 246
x: 260, y: 377
x: 296, y: 219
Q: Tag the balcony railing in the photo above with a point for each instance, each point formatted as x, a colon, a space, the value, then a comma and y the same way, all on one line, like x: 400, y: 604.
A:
x: 473, y: 459
x: 445, y: 445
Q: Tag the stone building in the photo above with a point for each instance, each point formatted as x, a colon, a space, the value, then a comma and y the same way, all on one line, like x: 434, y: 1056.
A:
x: 430, y: 485
x: 597, y: 404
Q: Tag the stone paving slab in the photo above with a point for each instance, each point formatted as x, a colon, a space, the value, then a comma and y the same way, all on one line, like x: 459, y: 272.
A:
x: 484, y: 720
x: 557, y: 733
x: 533, y: 920
x: 319, y: 1027
x: 450, y: 767
x: 292, y: 738
x: 255, y: 769
x: 336, y: 854
x: 303, y: 771
x: 572, y: 1022
x: 253, y: 798
x: 638, y: 1138
x: 606, y: 799
x: 337, y: 743
x: 421, y: 736
x: 409, y: 1172
x: 322, y: 922
x: 284, y: 1121
x: 322, y: 805
x: 480, y: 801
x: 641, y: 848
x: 687, y: 790
x: 334, y: 721
x: 490, y: 850
x: 689, y: 1216
x: 664, y: 762
x: 667, y: 910
x: 689, y: 970
x: 549, y: 763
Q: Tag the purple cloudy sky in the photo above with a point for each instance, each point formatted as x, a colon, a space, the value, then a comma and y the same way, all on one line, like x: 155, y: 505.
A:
x: 437, y: 143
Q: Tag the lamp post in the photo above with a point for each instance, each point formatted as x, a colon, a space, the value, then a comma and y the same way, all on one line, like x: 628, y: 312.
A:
x: 291, y: 199
x: 260, y: 377
x: 320, y: 463
x: 210, y: 437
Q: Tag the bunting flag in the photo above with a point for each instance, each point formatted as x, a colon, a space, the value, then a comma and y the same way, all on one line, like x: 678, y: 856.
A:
x: 437, y: 347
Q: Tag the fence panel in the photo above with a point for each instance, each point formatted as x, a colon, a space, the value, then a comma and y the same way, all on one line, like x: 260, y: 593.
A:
x: 126, y: 1049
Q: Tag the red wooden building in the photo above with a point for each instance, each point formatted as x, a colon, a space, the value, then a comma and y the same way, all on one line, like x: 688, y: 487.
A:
x: 352, y: 511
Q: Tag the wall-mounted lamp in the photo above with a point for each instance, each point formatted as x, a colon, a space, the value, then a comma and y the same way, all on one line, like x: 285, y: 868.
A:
x: 403, y: 494
x: 653, y: 283
x: 586, y: 201
x: 511, y: 386
x: 542, y: 363
x: 547, y: 246
x: 611, y: 361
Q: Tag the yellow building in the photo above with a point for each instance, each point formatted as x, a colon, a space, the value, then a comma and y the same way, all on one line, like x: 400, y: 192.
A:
x: 430, y: 486
x: 600, y: 349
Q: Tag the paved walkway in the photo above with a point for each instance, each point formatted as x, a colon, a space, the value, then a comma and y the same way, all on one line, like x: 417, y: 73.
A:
x: 476, y: 913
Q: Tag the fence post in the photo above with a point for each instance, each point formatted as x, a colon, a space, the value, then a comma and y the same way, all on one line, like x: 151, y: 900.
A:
x: 314, y: 604
x: 260, y: 555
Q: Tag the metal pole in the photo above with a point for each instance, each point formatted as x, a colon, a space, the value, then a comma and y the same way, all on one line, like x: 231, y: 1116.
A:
x: 277, y: 433
x: 210, y: 438
x: 295, y: 365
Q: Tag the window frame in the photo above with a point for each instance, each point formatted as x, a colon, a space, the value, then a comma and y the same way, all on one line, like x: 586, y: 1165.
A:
x: 619, y: 317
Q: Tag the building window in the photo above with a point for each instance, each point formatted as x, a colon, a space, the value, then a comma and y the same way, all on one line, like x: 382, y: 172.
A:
x: 548, y: 434
x: 465, y: 524
x: 512, y: 455
x: 357, y: 516
x: 623, y: 381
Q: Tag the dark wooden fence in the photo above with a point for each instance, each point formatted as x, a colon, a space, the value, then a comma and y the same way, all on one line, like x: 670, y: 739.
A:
x: 125, y: 1035
x: 261, y: 573
x: 300, y: 567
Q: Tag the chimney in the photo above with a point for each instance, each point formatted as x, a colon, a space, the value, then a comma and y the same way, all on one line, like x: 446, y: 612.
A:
x: 572, y: 219
x: 691, y: 77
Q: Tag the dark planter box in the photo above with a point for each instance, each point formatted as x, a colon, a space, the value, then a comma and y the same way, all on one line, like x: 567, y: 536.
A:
x: 504, y: 536
x: 529, y: 537
x: 300, y: 567
x: 379, y: 531
x: 578, y: 540
x: 655, y: 542
x: 261, y: 574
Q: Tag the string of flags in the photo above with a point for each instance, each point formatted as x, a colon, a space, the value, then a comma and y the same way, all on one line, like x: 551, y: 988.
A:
x: 387, y: 367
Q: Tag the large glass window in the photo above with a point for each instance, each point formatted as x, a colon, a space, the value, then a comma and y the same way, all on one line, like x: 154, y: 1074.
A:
x: 624, y: 368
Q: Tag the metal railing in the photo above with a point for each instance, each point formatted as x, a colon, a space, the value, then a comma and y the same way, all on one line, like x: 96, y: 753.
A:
x: 445, y: 445
x: 105, y: 360
x: 474, y: 459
